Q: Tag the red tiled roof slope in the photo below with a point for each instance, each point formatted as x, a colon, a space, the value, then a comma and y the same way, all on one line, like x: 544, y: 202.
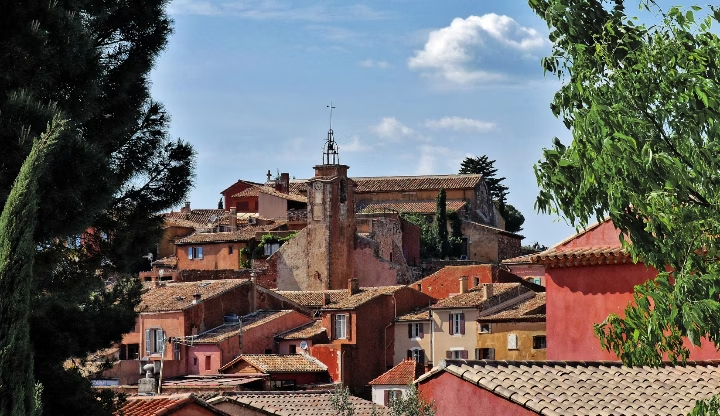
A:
x: 313, y: 299
x: 244, y: 234
x: 474, y: 297
x: 247, y: 323
x: 162, y: 405
x: 418, y: 207
x: 364, y: 295
x: 411, y: 183
x: 300, y: 403
x: 529, y: 310
x: 402, y: 374
x: 273, y: 363
x: 177, y: 296
x: 306, y: 331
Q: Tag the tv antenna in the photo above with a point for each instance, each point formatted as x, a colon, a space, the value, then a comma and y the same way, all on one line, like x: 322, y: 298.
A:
x: 331, y: 108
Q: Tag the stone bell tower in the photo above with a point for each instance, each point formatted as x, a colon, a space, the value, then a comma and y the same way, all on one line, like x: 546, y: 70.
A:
x: 331, y: 222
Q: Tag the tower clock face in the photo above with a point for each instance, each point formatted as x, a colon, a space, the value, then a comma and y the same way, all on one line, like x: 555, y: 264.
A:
x: 318, y: 186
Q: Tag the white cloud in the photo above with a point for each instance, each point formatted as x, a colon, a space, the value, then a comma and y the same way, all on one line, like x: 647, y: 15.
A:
x: 458, y: 53
x: 276, y: 10
x: 369, y: 63
x: 391, y: 128
x: 461, y: 124
x: 354, y: 146
x: 438, y: 160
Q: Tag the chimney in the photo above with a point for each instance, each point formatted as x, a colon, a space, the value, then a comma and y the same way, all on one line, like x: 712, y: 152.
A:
x: 463, y: 284
x: 186, y: 208
x: 326, y: 299
x: 285, y: 183
x: 196, y: 298
x: 353, y: 286
x: 233, y: 219
x: 487, y: 289
x: 147, y: 386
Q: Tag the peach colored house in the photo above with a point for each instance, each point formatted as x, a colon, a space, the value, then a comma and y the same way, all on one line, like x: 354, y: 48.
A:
x: 299, y: 340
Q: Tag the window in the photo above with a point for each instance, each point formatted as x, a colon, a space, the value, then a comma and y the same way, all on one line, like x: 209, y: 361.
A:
x: 154, y: 341
x: 133, y: 351
x: 484, y: 328
x: 484, y: 353
x: 208, y: 362
x: 456, y: 354
x: 268, y: 351
x: 457, y: 323
x: 392, y: 395
x: 536, y: 280
x: 195, y: 253
x: 417, y: 354
x: 476, y: 281
x: 539, y: 342
x: 512, y: 341
x: 242, y: 206
x: 415, y: 330
x: 340, y: 326
x: 230, y: 249
x: 293, y: 349
x: 176, y: 350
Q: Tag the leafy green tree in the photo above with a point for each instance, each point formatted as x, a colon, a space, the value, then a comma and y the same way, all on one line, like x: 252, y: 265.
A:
x: 114, y: 169
x: 643, y: 105
x: 498, y: 192
x: 340, y: 401
x: 440, y: 225
x: 411, y: 404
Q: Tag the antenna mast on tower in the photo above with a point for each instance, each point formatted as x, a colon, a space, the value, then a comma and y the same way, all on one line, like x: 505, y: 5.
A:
x: 330, y: 152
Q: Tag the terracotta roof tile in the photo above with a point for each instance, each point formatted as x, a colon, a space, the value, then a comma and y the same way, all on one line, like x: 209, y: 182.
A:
x: 417, y: 315
x: 519, y: 260
x: 419, y: 207
x: 196, y: 217
x: 299, y: 403
x: 474, y: 298
x: 590, y: 388
x: 559, y: 256
x: 306, y: 331
x: 411, y: 183
x: 402, y: 374
x: 531, y: 309
x: 244, y: 234
x: 313, y: 299
x: 289, y: 196
x: 247, y: 323
x: 177, y: 296
x: 364, y: 295
x: 273, y: 363
x: 251, y: 191
x: 161, y: 405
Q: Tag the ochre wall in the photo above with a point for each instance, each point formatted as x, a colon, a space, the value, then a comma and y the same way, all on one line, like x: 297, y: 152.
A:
x: 166, y: 246
x: 215, y: 256
x: 456, y: 397
x: 443, y: 341
x: 498, y: 339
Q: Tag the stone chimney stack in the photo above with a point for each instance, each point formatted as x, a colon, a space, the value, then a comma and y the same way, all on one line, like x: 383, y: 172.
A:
x: 487, y: 289
x: 233, y: 219
x: 326, y: 299
x: 186, y: 208
x: 285, y: 183
x: 463, y: 284
x: 196, y: 298
x: 353, y: 286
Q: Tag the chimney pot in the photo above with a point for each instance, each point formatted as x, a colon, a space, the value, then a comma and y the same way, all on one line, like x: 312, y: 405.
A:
x: 463, y: 284
x: 186, y: 208
x: 196, y: 298
x: 285, y: 183
x: 233, y: 219
x: 487, y: 289
x: 353, y: 286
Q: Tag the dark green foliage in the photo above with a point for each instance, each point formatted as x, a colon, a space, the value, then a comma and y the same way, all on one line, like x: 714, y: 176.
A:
x: 220, y: 204
x: 440, y: 225
x: 643, y: 105
x: 428, y: 238
x: 116, y: 169
x: 17, y: 258
x: 514, y: 219
x: 498, y: 192
x: 455, y: 239
x: 340, y: 401
x: 535, y: 247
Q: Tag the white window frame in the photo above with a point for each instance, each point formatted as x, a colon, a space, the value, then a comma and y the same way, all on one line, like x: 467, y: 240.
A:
x: 416, y: 354
x: 457, y: 353
x: 455, y: 322
x: 195, y: 253
x: 154, y: 341
x: 340, y: 326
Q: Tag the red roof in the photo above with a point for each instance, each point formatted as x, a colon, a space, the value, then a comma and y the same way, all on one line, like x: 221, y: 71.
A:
x: 402, y: 374
x: 162, y: 405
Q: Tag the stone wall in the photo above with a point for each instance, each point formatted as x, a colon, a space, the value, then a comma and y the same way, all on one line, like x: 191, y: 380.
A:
x: 509, y: 246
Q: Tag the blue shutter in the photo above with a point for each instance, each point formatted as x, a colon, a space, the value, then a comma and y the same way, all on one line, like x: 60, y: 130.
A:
x: 190, y: 253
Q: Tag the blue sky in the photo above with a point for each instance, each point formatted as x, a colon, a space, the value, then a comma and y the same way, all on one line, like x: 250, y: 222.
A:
x: 417, y: 85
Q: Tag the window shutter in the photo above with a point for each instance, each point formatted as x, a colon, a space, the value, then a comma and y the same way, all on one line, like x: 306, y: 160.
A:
x: 409, y: 353
x: 448, y: 355
x: 333, y: 329
x: 190, y: 253
x: 387, y: 397
x: 199, y: 253
x: 421, y: 357
x: 348, y: 327
x: 478, y: 356
x: 421, y: 327
x: 148, y: 342
x: 452, y: 324
x: 410, y: 330
x: 462, y: 323
x: 491, y: 354
x: 512, y: 341
x: 159, y: 341
x: 464, y: 354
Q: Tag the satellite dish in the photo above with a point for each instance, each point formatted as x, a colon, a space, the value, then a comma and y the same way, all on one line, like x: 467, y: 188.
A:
x: 303, y: 345
x: 213, y: 218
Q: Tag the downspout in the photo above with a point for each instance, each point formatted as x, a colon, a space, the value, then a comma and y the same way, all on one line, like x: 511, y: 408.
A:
x: 432, y: 338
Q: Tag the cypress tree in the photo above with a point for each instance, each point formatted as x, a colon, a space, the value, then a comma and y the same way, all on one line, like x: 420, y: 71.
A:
x: 441, y: 229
